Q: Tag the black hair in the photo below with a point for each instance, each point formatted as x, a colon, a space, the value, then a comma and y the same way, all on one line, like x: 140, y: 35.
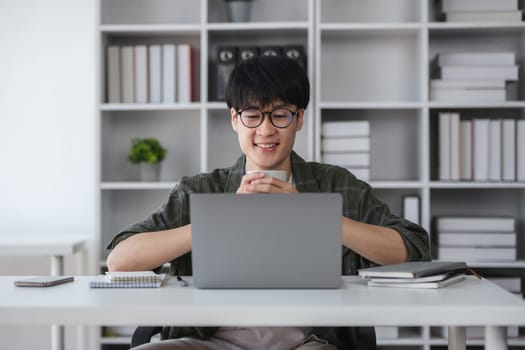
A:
x: 262, y: 80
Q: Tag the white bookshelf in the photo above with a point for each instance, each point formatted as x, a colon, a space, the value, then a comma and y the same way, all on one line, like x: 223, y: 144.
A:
x: 367, y: 60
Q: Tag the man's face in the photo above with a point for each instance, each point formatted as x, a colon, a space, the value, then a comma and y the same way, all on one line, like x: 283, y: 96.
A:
x: 267, y: 147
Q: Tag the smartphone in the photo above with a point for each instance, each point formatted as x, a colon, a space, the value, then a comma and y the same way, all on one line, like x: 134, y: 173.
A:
x: 43, y: 281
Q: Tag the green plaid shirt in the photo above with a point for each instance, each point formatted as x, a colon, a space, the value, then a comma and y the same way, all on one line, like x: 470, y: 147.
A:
x: 359, y: 203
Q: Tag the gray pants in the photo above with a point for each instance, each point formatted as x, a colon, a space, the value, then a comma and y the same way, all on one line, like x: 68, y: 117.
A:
x: 218, y: 344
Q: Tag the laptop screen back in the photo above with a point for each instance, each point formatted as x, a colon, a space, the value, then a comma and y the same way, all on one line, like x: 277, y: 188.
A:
x: 266, y: 240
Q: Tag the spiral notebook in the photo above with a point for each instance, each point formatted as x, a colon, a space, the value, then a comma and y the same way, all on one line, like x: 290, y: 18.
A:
x: 131, y: 279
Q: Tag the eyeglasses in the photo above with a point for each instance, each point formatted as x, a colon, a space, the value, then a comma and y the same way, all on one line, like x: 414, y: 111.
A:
x: 280, y: 117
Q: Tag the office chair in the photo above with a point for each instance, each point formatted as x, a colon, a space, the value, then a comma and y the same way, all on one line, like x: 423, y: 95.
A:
x: 366, y: 337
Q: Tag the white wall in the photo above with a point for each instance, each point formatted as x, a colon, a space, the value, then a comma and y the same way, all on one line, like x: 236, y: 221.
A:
x: 47, y: 130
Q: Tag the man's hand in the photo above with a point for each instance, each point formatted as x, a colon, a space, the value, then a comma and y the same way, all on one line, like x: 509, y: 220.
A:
x: 258, y: 183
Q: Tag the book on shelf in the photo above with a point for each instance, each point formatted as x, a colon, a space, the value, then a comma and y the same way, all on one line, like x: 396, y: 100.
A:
x: 413, y: 269
x: 411, y: 209
x: 509, y: 150
x: 454, y: 146
x: 465, y: 84
x: 155, y: 73
x: 475, y: 224
x: 113, y: 74
x: 425, y: 285
x: 481, y: 137
x: 520, y: 150
x: 141, y: 74
x: 184, y: 73
x: 355, y: 159
x: 226, y: 61
x: 468, y: 95
x: 345, y: 128
x: 495, y: 150
x: 487, y: 72
x: 477, y: 253
x: 346, y: 144
x: 465, y: 150
x: 485, y: 16
x: 169, y: 73
x: 444, y: 146
x: 496, y: 58
x: 479, y: 5
x: 128, y: 74
x: 469, y: 239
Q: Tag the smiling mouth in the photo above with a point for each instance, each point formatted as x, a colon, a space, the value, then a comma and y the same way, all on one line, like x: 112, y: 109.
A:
x: 266, y: 145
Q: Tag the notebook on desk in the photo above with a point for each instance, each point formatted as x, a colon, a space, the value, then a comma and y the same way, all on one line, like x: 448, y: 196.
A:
x: 266, y: 240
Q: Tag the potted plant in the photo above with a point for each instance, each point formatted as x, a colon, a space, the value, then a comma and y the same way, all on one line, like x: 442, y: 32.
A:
x: 238, y: 10
x: 148, y: 153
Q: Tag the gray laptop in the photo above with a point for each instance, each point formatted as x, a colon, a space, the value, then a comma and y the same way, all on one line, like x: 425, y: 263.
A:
x: 266, y: 240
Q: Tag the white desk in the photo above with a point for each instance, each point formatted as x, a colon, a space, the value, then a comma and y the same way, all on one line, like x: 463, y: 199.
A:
x: 56, y: 246
x: 469, y: 303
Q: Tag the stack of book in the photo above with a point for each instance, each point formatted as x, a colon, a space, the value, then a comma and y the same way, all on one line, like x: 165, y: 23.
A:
x: 128, y: 279
x: 415, y: 274
x: 476, y: 238
x: 347, y: 144
x: 474, y: 76
x: 149, y: 74
x: 481, y: 11
x: 481, y: 149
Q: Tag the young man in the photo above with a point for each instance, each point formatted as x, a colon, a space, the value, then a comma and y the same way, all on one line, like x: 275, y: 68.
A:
x: 267, y: 97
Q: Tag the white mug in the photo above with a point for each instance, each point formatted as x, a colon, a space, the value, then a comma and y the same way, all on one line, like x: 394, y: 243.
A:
x: 278, y: 174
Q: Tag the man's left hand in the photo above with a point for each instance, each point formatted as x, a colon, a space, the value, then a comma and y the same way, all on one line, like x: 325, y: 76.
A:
x: 268, y: 185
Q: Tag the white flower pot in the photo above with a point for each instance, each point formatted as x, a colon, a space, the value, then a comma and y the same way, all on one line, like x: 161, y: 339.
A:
x: 150, y: 171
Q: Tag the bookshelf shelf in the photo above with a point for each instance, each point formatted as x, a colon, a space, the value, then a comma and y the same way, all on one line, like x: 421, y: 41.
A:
x: 396, y: 184
x: 381, y: 27
x: 478, y: 105
x: 130, y: 29
x: 487, y: 26
x: 227, y: 27
x: 137, y: 185
x: 477, y: 185
x: 371, y: 105
x: 367, y: 61
x: 216, y: 106
x: 149, y: 107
